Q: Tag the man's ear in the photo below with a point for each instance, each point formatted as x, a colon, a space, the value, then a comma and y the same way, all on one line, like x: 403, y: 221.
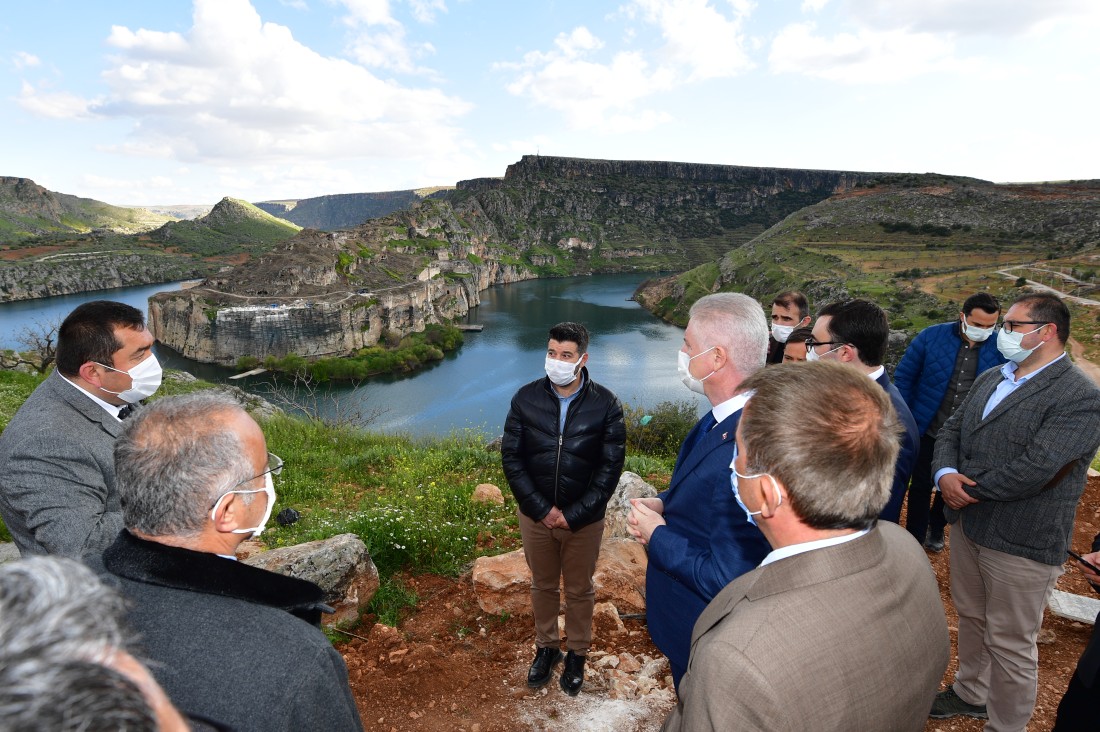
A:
x: 774, y: 495
x: 228, y: 513
x: 89, y: 372
x: 804, y: 323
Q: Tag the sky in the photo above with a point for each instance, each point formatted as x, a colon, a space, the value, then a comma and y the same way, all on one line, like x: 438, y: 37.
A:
x: 140, y: 102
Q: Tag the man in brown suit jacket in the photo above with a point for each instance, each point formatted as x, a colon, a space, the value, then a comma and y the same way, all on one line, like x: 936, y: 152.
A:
x: 841, y: 627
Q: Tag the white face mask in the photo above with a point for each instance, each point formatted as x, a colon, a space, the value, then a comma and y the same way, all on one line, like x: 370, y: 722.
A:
x: 974, y: 333
x: 561, y: 373
x: 812, y: 355
x: 269, y: 489
x: 1009, y: 345
x: 683, y: 367
x: 782, y: 332
x: 274, y: 467
x: 750, y: 516
x: 145, y: 380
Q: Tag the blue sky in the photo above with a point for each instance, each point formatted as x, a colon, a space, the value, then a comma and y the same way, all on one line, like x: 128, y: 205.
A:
x: 186, y: 102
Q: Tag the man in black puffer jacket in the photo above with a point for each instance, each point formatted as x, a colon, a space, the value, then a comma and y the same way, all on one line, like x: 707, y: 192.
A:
x: 562, y: 452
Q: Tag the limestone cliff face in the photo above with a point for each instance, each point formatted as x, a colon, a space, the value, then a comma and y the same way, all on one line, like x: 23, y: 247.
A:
x: 64, y: 275
x: 330, y: 294
x: 621, y: 206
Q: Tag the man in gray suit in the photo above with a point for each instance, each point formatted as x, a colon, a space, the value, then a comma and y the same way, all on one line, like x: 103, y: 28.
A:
x: 1011, y: 464
x: 57, y: 475
x: 841, y: 627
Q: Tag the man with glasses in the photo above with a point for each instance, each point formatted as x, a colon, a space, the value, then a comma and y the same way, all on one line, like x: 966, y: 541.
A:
x: 1011, y: 464
x: 841, y: 627
x: 933, y: 377
x: 857, y: 332
x: 229, y: 641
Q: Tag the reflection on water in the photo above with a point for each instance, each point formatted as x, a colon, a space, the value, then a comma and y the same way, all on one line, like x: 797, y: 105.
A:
x: 631, y: 352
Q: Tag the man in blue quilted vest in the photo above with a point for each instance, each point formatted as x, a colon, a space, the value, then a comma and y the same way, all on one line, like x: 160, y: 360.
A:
x: 934, y: 376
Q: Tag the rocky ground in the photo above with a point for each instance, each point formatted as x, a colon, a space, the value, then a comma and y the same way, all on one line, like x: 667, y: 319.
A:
x: 452, y: 667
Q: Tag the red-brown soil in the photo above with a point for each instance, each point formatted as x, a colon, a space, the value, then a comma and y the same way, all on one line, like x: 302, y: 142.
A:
x: 451, y: 667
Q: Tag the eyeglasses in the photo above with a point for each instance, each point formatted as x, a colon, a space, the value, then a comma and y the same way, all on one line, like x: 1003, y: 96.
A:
x: 274, y: 466
x: 1010, y: 326
x: 810, y: 343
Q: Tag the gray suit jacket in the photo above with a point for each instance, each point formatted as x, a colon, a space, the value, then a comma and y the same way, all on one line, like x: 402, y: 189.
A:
x: 57, y: 473
x: 1052, y: 421
x: 849, y: 637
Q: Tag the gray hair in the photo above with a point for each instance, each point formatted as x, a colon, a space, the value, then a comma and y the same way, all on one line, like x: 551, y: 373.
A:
x: 735, y: 322
x: 59, y: 627
x: 173, y: 460
x: 829, y: 434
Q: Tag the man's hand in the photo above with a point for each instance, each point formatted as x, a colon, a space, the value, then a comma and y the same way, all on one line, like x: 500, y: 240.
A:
x: 643, y: 519
x: 1094, y: 560
x: 653, y: 504
x: 952, y: 487
x: 555, y: 519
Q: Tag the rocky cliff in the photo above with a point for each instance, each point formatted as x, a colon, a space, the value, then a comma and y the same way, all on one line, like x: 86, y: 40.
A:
x: 329, y: 294
x: 67, y: 274
x: 343, y: 211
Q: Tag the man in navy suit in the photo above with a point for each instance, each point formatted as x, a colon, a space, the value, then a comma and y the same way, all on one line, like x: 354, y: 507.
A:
x: 856, y: 332
x: 699, y: 539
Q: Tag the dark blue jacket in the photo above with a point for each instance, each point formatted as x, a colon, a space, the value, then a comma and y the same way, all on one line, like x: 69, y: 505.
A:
x: 925, y: 369
x: 907, y: 458
x: 707, y: 542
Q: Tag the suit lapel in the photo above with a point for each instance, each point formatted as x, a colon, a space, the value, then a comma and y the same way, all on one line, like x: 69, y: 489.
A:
x: 75, y: 397
x: 1031, y: 387
x: 721, y: 433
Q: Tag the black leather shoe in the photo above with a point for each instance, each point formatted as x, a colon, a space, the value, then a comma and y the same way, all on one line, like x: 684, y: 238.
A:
x: 542, y: 666
x: 572, y: 674
x: 933, y: 542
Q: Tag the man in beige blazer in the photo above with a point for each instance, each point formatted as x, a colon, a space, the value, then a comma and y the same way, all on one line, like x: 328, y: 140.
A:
x: 841, y: 627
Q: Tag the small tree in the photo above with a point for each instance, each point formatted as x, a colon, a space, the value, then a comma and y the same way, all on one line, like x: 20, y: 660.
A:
x: 1021, y: 281
x: 38, y: 345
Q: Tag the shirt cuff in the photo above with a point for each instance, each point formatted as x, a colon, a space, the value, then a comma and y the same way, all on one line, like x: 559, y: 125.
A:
x: 939, y: 474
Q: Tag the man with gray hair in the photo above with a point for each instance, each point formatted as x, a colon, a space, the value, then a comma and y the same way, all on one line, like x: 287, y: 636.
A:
x: 232, y: 642
x: 841, y: 627
x: 698, y: 538
x: 64, y: 664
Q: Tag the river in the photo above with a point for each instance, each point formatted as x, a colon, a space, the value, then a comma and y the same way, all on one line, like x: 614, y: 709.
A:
x: 631, y: 352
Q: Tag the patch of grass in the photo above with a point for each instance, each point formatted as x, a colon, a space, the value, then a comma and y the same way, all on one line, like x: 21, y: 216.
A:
x: 393, y: 601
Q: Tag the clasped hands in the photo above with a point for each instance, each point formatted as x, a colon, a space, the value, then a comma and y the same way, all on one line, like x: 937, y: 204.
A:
x: 646, y: 514
x: 952, y: 488
x: 555, y: 519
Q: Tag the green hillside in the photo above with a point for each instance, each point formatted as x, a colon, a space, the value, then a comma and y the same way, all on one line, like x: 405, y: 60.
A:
x: 233, y: 226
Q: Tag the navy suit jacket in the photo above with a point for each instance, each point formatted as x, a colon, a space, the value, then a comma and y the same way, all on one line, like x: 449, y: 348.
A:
x: 706, y: 543
x: 907, y: 458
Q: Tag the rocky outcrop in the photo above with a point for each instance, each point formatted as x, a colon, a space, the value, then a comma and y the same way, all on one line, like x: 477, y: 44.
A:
x: 331, y: 294
x: 85, y: 272
x: 342, y: 211
x: 340, y: 565
x: 28, y: 209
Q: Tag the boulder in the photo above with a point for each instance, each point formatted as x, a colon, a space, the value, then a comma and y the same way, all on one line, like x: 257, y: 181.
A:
x: 487, y: 493
x: 503, y: 583
x: 339, y: 565
x: 630, y: 486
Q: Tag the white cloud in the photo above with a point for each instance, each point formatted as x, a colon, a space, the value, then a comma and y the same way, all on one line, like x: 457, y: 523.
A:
x: 598, y: 88
x: 233, y: 89
x: 813, y: 6
x: 699, y: 37
x: 590, y: 95
x: 979, y: 17
x: 24, y: 60
x: 53, y: 105
x: 863, y: 57
x: 379, y: 39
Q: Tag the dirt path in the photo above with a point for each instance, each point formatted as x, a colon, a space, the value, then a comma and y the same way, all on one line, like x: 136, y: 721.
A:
x: 1090, y: 369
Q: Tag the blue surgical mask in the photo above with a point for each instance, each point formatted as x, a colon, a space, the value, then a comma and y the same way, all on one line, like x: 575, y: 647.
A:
x: 750, y: 516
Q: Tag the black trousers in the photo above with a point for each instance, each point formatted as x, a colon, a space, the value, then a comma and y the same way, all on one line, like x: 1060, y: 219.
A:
x: 918, y: 518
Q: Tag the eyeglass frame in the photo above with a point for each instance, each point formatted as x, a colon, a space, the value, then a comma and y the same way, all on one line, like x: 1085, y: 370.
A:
x: 275, y: 471
x: 811, y: 343
x: 1009, y: 326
